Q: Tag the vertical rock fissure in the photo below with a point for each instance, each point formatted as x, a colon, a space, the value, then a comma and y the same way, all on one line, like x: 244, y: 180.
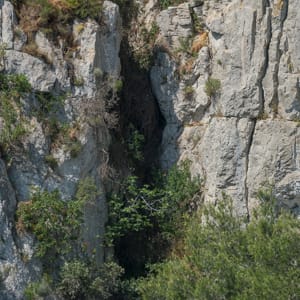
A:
x: 139, y: 108
x: 283, y: 16
x: 248, y: 150
x: 253, y: 33
x: 265, y: 64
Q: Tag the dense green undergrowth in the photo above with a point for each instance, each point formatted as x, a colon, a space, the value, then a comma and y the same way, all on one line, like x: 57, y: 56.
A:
x: 146, y: 219
x: 57, y: 225
x: 161, y: 204
x: 222, y: 256
x: 153, y: 213
x: 12, y: 88
x: 54, y: 222
x: 191, y: 250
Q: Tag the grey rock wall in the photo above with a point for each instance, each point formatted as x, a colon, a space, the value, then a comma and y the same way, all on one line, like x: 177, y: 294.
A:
x: 237, y: 139
x: 246, y: 134
x: 98, y: 49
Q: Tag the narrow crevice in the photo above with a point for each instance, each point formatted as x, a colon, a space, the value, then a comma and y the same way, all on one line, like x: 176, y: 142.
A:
x: 253, y: 33
x: 248, y: 150
x: 283, y: 16
x: 265, y: 6
x: 139, y: 108
x: 264, y: 67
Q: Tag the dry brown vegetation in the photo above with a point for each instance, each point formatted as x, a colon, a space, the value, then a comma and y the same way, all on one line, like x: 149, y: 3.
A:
x: 199, y: 42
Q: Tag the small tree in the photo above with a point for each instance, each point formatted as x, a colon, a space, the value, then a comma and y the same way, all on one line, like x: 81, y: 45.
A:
x: 224, y: 257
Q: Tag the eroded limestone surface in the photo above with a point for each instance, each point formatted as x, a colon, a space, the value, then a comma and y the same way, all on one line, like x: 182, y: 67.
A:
x: 246, y: 134
x: 97, y: 51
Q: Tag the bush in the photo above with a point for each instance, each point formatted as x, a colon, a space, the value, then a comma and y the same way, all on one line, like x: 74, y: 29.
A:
x: 51, y: 160
x: 48, y: 105
x: 164, y: 204
x: 38, y: 290
x: 54, y: 222
x: 75, y: 278
x: 212, y: 87
x: 118, y: 85
x: 12, y: 88
x: 136, y: 144
x: 225, y: 257
x: 107, y: 281
x: 80, y: 280
x: 189, y: 91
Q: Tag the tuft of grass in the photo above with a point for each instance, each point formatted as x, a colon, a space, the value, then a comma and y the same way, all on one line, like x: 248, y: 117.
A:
x: 78, y: 81
x: 189, y: 91
x: 118, y: 85
x: 212, y: 87
x: 51, y: 160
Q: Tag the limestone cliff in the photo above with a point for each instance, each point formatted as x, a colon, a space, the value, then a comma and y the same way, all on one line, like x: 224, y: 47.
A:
x: 225, y: 75
x: 41, y: 163
x: 245, y: 133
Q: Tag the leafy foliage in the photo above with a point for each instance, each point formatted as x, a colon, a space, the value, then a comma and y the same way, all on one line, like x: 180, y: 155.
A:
x: 139, y: 207
x: 75, y: 277
x: 38, y: 290
x: 225, y: 257
x: 135, y: 144
x: 80, y: 280
x: 55, y: 223
x: 12, y: 88
x: 48, y: 104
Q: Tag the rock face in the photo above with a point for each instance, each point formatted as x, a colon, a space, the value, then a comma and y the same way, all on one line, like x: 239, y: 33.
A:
x: 96, y: 57
x: 226, y: 78
x: 245, y: 134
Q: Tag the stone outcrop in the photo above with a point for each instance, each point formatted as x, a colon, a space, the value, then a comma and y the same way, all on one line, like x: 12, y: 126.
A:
x: 246, y: 133
x: 97, y: 52
x: 242, y: 134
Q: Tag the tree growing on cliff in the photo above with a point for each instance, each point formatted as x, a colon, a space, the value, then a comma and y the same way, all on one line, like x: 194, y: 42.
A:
x: 226, y: 257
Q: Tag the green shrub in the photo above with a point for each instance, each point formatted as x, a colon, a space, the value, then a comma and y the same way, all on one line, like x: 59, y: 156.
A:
x: 84, y: 8
x: 137, y: 207
x: 212, y: 87
x: 80, y: 280
x: 78, y: 81
x: 15, y: 84
x: 74, y: 148
x: 189, y: 91
x: 184, y: 45
x: 225, y: 257
x: 12, y: 88
x: 74, y: 279
x: 48, y: 105
x: 98, y: 73
x: 51, y: 160
x: 87, y: 191
x: 118, y: 85
x: 135, y: 144
x: 54, y: 222
x: 107, y: 281
x: 38, y: 290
